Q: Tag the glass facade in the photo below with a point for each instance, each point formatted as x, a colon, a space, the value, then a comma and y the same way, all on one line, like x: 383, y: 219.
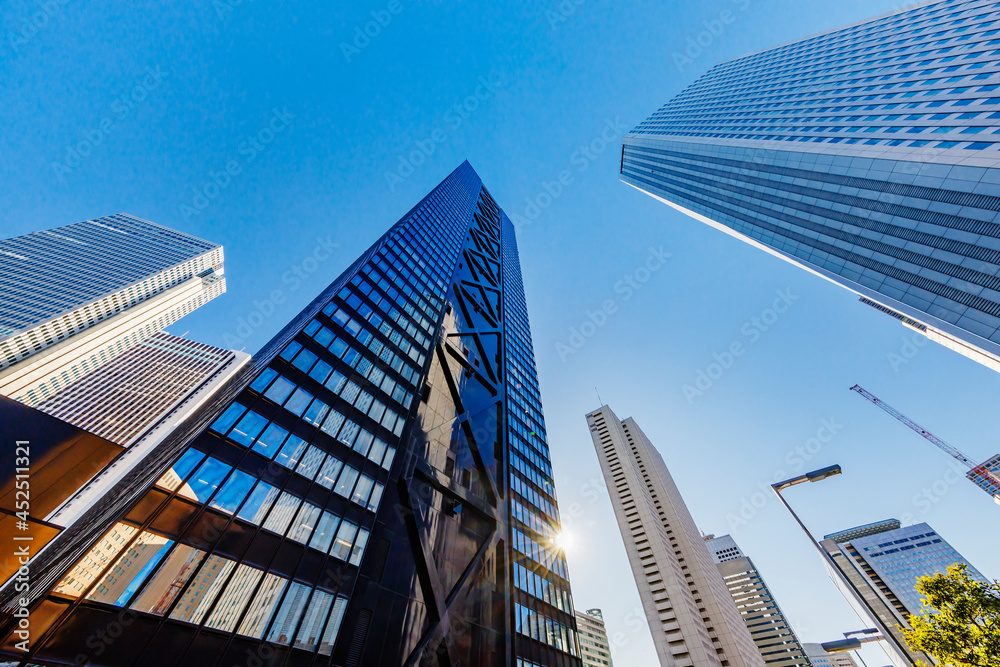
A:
x: 899, y: 557
x: 869, y: 154
x: 375, y: 489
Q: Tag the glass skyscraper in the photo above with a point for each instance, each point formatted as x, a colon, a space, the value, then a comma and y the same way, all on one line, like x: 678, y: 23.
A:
x: 880, y: 564
x: 374, y: 487
x: 868, y: 155
x: 77, y: 296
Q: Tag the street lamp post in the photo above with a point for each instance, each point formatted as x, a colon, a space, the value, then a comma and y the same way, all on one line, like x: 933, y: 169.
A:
x: 817, y: 476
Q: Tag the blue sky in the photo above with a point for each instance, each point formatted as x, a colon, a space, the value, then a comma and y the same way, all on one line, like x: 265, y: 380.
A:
x: 330, y: 145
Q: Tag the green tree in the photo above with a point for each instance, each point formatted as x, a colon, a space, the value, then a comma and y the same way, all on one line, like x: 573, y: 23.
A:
x: 960, y: 621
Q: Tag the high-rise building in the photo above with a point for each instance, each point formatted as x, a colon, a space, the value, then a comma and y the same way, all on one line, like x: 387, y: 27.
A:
x: 123, y: 398
x: 373, y: 488
x: 821, y: 658
x: 769, y: 628
x: 75, y: 297
x: 690, y: 613
x: 881, y: 563
x: 595, y: 649
x: 135, y: 400
x: 867, y: 155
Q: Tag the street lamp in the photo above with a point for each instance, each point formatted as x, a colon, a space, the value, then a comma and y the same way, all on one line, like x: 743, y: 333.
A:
x: 816, y: 476
x: 850, y: 643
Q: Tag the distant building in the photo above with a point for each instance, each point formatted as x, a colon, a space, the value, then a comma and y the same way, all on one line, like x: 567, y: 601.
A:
x: 595, y: 650
x: 768, y: 627
x: 75, y: 297
x: 688, y: 608
x: 987, y: 482
x: 821, y: 658
x: 881, y: 563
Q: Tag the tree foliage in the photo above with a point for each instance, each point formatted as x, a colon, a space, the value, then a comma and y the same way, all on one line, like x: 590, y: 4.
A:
x: 960, y: 621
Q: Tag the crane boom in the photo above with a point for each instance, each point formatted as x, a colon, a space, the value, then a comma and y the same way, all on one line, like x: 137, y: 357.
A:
x: 941, y: 444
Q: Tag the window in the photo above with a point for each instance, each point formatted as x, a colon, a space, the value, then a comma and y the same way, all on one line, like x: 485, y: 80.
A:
x: 233, y: 492
x: 345, y: 538
x: 205, y: 480
x: 255, y: 508
x: 302, y: 527
x: 345, y: 485
x: 270, y: 440
x: 210, y: 579
x: 263, y: 605
x: 175, y: 475
x: 328, y: 473
x: 282, y: 512
x: 235, y: 598
x: 308, y: 634
x: 323, y: 534
x: 248, y: 428
x: 288, y: 614
x: 168, y: 581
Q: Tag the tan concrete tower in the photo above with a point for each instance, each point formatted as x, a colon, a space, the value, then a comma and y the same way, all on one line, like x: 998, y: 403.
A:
x: 691, y: 615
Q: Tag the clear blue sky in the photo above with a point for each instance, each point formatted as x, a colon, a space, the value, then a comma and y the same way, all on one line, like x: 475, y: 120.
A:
x: 560, y: 74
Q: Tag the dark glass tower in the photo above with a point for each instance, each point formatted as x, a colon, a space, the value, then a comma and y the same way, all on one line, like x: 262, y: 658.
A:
x: 374, y: 488
x: 868, y: 155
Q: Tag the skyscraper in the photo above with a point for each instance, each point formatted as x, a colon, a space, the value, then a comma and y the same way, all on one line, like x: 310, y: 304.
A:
x: 867, y: 155
x: 74, y: 297
x: 771, y: 633
x: 689, y: 610
x: 595, y: 649
x: 373, y: 488
x: 882, y: 562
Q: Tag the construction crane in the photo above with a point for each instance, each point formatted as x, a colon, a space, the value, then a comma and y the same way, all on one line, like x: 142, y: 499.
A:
x: 982, y: 476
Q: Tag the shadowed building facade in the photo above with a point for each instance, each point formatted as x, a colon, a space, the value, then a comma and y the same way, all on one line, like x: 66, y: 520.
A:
x: 868, y: 155
x: 374, y: 487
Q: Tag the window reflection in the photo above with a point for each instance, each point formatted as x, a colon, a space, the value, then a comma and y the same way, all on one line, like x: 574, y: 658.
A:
x: 168, y: 581
x: 359, y: 547
x: 345, y: 538
x: 328, y: 473
x: 176, y: 474
x: 131, y: 569
x: 309, y: 464
x: 333, y: 626
x: 263, y: 605
x: 202, y: 590
x: 90, y: 567
x: 345, y: 485
x: 291, y: 453
x: 323, y: 535
x: 302, y: 526
x: 270, y: 440
x: 255, y: 508
x: 205, y: 480
x: 238, y: 591
x: 248, y: 428
x: 282, y: 513
x: 308, y: 633
x: 288, y: 614
x: 233, y: 492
